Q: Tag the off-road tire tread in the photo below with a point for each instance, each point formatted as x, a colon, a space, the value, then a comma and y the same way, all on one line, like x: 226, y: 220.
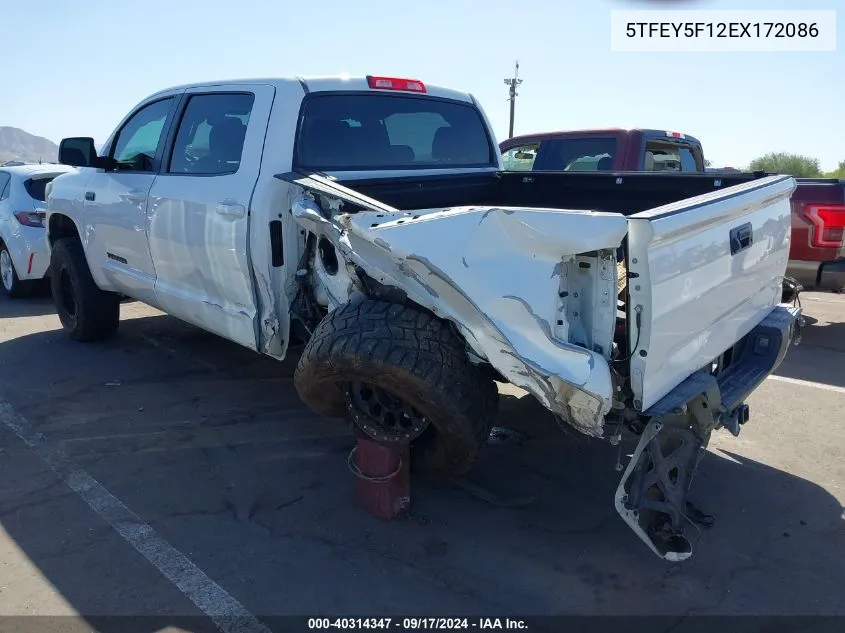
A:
x: 416, y: 356
x: 98, y: 311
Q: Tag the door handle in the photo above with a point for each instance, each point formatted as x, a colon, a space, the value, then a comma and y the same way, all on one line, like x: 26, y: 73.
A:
x: 230, y: 208
x: 90, y: 195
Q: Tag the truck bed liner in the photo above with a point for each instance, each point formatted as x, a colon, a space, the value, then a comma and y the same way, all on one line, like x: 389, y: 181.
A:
x: 624, y: 192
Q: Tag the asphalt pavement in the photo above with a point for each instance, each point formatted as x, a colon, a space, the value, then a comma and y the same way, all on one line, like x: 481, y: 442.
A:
x: 170, y: 473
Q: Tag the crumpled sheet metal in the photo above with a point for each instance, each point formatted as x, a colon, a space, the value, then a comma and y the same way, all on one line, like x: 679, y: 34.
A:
x: 494, y: 273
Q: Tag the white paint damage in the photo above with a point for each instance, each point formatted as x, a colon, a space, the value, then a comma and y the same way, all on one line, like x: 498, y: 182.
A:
x: 533, y: 291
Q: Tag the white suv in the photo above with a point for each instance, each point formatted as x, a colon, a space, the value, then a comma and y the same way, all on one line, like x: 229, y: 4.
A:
x: 24, y: 255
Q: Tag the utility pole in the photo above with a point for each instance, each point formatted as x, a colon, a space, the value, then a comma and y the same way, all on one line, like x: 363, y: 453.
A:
x: 513, y: 82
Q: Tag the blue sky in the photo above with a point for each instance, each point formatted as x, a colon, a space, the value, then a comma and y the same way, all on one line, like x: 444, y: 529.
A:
x: 75, y: 68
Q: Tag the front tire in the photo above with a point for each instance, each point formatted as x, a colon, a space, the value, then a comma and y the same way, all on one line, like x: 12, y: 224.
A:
x: 12, y: 285
x: 86, y: 312
x: 413, y: 357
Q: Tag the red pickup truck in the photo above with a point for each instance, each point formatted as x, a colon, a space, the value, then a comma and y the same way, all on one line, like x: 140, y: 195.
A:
x: 613, y: 149
x: 817, y: 250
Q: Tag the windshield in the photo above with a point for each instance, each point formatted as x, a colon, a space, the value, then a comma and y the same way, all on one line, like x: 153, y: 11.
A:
x: 380, y: 131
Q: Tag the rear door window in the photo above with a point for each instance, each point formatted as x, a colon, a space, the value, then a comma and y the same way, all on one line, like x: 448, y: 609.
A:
x: 5, y: 179
x: 210, y: 140
x: 577, y: 154
x: 380, y: 131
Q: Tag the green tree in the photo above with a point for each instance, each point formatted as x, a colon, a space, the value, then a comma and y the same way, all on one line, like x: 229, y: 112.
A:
x: 785, y: 163
x: 839, y: 172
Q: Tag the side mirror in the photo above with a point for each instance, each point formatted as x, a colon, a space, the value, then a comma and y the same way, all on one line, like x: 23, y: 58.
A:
x: 78, y: 152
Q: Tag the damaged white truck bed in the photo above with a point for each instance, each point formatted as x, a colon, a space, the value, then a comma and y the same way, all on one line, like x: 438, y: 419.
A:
x: 369, y: 219
x: 499, y: 275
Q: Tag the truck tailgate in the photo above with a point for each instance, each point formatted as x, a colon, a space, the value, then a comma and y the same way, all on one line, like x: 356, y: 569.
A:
x: 702, y: 273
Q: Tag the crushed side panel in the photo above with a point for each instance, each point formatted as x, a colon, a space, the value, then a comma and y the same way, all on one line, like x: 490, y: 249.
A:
x: 496, y: 273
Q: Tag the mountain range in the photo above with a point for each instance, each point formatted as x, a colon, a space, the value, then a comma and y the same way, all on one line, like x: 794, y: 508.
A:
x: 19, y: 145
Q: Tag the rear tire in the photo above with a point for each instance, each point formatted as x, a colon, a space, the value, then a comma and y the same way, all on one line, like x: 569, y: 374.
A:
x: 413, y: 356
x: 86, y: 312
x: 12, y: 286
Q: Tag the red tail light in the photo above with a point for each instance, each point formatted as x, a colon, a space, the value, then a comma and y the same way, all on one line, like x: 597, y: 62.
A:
x: 30, y: 218
x: 393, y: 83
x: 828, y: 225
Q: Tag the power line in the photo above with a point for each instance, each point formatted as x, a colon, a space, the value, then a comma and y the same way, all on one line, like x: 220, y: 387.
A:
x: 513, y: 82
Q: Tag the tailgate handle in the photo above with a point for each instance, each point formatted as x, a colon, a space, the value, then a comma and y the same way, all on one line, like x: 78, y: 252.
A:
x: 741, y: 238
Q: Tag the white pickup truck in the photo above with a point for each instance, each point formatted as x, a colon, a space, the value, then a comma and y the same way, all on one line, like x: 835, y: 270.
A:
x: 370, y: 218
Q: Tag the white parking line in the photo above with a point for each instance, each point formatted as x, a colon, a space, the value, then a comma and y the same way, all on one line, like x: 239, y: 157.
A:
x: 229, y: 615
x: 807, y: 383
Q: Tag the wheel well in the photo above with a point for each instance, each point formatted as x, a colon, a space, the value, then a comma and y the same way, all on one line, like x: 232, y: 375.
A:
x: 61, y: 226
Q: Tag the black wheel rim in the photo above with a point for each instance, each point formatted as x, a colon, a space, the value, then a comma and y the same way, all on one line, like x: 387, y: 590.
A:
x: 382, y: 415
x: 66, y: 294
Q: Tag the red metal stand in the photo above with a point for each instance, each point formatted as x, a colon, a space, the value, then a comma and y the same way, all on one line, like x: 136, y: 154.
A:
x: 383, y: 486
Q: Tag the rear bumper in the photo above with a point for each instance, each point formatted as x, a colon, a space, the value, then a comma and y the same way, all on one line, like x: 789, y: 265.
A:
x: 757, y: 355
x: 650, y: 498
x: 818, y: 275
x: 30, y: 254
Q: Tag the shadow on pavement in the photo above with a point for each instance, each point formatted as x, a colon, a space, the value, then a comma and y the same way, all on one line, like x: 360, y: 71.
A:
x: 210, y: 445
x: 820, y: 357
x: 37, y: 305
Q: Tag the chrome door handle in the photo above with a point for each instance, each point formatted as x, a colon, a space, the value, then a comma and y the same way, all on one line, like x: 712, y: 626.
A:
x: 230, y: 208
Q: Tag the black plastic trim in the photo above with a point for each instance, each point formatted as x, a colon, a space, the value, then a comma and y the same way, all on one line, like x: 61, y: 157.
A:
x: 277, y: 251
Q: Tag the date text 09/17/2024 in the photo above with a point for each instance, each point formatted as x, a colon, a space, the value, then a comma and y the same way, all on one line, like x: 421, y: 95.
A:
x: 417, y: 624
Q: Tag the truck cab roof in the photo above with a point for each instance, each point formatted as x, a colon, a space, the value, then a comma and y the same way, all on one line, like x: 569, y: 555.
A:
x: 603, y: 149
x: 333, y: 83
x: 612, y: 131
